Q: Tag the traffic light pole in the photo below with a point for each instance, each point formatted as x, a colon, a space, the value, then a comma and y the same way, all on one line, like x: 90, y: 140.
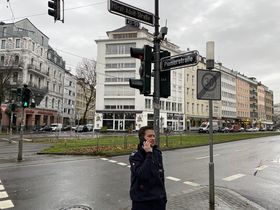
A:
x: 20, y: 142
x: 156, y: 98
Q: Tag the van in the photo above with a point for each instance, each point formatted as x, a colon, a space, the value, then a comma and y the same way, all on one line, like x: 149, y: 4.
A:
x: 204, y: 127
x: 56, y: 126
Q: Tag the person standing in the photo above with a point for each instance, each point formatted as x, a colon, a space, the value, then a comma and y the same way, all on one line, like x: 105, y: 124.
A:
x: 147, y: 189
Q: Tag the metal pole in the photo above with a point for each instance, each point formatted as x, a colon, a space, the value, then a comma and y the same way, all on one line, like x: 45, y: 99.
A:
x: 210, y: 66
x: 11, y: 127
x: 156, y: 98
x: 20, y: 142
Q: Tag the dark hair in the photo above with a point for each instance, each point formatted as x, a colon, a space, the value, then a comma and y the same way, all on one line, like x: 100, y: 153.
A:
x: 142, y: 131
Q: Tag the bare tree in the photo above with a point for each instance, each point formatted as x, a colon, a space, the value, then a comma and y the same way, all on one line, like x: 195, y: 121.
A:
x: 86, y: 78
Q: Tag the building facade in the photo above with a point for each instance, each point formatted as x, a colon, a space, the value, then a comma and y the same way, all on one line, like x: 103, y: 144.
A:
x: 36, y: 64
x: 121, y: 107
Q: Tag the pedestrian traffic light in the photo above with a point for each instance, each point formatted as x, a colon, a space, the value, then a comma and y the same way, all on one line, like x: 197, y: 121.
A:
x: 26, y: 94
x: 54, y: 10
x: 165, y: 90
x: 145, y: 55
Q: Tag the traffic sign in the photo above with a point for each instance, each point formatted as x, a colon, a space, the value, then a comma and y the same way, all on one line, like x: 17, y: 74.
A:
x: 126, y: 10
x: 208, y: 85
x: 186, y: 59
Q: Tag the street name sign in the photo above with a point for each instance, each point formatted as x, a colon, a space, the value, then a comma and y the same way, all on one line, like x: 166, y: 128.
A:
x: 177, y: 61
x: 208, y: 85
x: 128, y: 11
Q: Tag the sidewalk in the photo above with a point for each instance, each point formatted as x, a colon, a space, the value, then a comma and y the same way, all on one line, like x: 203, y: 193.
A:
x: 225, y: 199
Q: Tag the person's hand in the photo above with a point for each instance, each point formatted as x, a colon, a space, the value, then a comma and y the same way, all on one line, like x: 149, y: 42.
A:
x: 147, y: 146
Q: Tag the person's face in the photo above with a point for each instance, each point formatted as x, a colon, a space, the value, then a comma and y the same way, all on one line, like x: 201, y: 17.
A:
x: 150, y: 137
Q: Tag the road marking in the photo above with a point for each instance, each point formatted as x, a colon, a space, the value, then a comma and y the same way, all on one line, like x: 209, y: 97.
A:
x: 6, y: 204
x: 122, y: 164
x: 27, y: 139
x: 3, y: 195
x: 261, y: 167
x: 128, y: 166
x: 192, y: 184
x: 199, y: 158
x: 104, y: 159
x: 233, y: 177
x: 112, y: 161
x: 2, y: 187
x: 238, y: 150
x: 173, y: 178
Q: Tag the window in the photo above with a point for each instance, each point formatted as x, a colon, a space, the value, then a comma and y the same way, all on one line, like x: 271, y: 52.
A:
x: 53, y: 87
x: 30, y: 78
x: 179, y: 107
x: 53, y: 103
x: 39, y: 82
x: 2, y: 59
x: 48, y: 72
x: 46, y: 102
x: 59, y: 89
x: 54, y: 74
x: 147, y: 103
x: 192, y: 80
x: 48, y: 85
x: 173, y: 106
x: 15, y: 76
x: 17, y: 43
x: 41, y: 66
x: 16, y: 59
x: 3, y: 44
x: 32, y: 61
x: 119, y: 48
x: 70, y: 83
x: 192, y: 107
x: 168, y: 106
x: 41, y: 52
x: 33, y: 46
x: 4, y: 31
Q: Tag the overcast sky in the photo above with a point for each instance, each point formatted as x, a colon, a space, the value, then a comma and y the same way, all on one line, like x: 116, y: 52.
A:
x: 246, y: 32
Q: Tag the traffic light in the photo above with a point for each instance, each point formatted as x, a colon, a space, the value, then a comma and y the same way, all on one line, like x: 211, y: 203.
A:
x: 26, y: 95
x: 33, y: 104
x: 165, y: 90
x: 54, y: 10
x: 145, y: 55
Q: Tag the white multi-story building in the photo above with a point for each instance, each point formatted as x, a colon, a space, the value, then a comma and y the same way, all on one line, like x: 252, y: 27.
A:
x: 119, y: 107
x: 228, y: 92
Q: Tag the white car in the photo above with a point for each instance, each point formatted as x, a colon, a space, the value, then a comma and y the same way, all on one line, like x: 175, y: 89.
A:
x: 252, y: 129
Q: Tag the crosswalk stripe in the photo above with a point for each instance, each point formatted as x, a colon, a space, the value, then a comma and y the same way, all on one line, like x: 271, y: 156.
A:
x: 192, y: 184
x: 122, y: 164
x: 173, y: 178
x: 261, y: 167
x: 6, y: 204
x: 112, y: 161
x: 104, y: 159
x: 233, y: 177
x: 128, y: 166
x: 3, y: 195
x: 2, y: 187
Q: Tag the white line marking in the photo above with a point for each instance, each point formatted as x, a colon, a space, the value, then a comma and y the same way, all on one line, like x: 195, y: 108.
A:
x: 112, y: 161
x: 192, y: 184
x: 173, y: 178
x: 2, y: 187
x: 199, y: 158
x: 6, y: 204
x: 261, y: 167
x: 233, y: 177
x: 128, y: 166
x: 104, y: 159
x: 3, y: 195
x: 0, y: 181
x: 122, y: 164
x: 27, y: 139
x: 238, y: 150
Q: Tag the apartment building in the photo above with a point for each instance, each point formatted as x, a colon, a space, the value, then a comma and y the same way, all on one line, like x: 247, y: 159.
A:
x: 121, y: 108
x: 69, y: 98
x: 36, y: 64
x: 243, y: 100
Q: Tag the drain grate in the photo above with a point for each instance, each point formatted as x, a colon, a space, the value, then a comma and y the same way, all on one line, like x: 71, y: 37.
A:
x: 77, y: 207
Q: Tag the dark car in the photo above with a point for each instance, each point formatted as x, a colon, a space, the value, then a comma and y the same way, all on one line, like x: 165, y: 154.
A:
x: 82, y: 128
x: 46, y: 128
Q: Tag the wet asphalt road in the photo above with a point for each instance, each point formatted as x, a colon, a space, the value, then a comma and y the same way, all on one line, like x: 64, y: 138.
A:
x: 249, y: 167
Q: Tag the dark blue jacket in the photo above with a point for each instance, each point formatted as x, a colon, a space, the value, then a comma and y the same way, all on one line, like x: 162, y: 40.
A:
x: 147, y: 175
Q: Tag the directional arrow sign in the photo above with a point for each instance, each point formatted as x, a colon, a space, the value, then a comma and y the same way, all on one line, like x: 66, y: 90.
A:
x: 187, y: 59
x: 126, y: 10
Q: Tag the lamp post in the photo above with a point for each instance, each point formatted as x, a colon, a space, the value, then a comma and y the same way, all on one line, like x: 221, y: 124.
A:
x: 210, y: 65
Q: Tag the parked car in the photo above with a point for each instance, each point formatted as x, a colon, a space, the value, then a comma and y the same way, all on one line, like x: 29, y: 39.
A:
x: 81, y: 128
x: 252, y: 129
x: 56, y: 126
x: 224, y: 129
x: 45, y: 128
x: 204, y: 127
x: 66, y: 128
x: 234, y: 128
x: 89, y: 127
